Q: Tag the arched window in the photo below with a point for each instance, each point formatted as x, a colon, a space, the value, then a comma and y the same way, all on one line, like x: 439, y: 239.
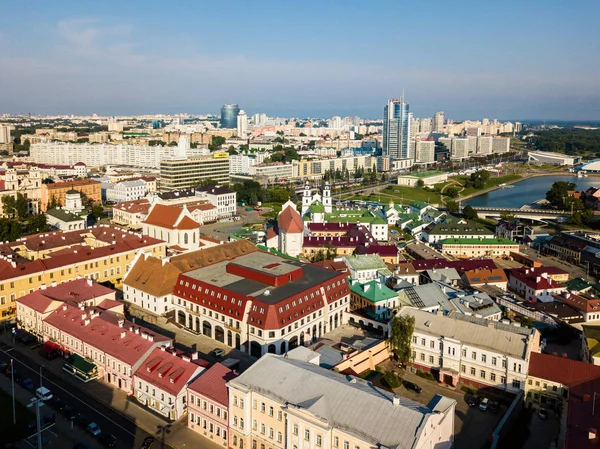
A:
x: 185, y: 238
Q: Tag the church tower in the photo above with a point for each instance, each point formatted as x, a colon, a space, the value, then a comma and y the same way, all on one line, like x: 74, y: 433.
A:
x: 306, y: 198
x: 327, y: 198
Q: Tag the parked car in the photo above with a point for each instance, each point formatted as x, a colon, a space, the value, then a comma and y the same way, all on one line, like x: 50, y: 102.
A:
x: 543, y: 413
x: 25, y: 337
x: 107, y: 440
x: 411, y: 386
x: 49, y: 418
x: 43, y: 393
x: 218, y: 352
x: 484, y: 404
x: 82, y: 421
x: 27, y: 384
x: 473, y: 401
x: 93, y: 428
x: 493, y: 408
x: 148, y: 442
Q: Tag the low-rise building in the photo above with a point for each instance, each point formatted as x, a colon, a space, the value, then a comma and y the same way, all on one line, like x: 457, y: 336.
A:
x: 131, y: 214
x: 428, y: 178
x: 461, y: 229
x: 173, y: 225
x: 282, y: 403
x: 464, y: 349
x: 125, y: 191
x: 224, y: 199
x: 373, y: 298
x: 531, y: 283
x: 478, y: 278
x: 366, y: 267
x: 161, y: 381
x: 481, y: 247
x: 208, y: 404
x: 588, y: 306
x: 55, y: 194
x: 590, y: 347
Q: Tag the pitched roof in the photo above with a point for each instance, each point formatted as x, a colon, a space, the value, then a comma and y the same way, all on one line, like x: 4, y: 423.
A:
x: 289, y: 221
x: 72, y: 184
x: 478, y: 277
x: 353, y: 404
x: 64, y: 215
x: 561, y: 370
x: 535, y: 278
x: 166, y: 216
x: 374, y: 291
x: 167, y: 371
x: 480, y: 241
x: 212, y: 383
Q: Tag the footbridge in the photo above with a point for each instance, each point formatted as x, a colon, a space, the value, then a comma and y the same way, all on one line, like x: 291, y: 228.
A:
x: 526, y: 213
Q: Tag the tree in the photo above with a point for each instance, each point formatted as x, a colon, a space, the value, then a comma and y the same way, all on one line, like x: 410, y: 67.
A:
x: 452, y: 192
x: 21, y: 207
x: 232, y: 151
x: 37, y: 223
x: 401, y: 333
x: 469, y: 213
x: 8, y: 206
x: 558, y: 193
x: 97, y: 210
x: 507, y: 216
x: 452, y: 206
x: 421, y: 183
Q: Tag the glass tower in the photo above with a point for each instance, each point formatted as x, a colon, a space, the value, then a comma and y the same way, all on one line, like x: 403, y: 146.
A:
x: 229, y: 114
x: 396, y: 129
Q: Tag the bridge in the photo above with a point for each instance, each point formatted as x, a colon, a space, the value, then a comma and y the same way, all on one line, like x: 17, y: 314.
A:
x: 531, y: 214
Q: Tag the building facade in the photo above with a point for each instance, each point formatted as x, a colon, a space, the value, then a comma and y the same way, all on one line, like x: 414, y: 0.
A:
x: 176, y: 174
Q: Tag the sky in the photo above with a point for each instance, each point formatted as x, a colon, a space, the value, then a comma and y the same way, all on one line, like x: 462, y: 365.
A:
x: 516, y: 59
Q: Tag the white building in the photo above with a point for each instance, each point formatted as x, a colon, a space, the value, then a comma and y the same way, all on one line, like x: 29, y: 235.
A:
x: 501, y: 144
x: 126, y: 191
x: 242, y: 124
x: 474, y: 351
x: 460, y: 148
x: 366, y: 267
x: 68, y: 217
x: 424, y: 151
x: 273, y: 170
x: 174, y: 225
x: 485, y: 145
x: 224, y: 199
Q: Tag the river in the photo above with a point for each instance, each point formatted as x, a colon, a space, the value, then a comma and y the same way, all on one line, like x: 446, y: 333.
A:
x: 527, y: 191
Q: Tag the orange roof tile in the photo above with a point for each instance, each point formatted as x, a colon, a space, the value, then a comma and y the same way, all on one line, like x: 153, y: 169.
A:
x: 290, y: 221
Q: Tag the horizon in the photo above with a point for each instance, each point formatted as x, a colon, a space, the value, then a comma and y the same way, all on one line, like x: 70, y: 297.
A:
x: 312, y: 59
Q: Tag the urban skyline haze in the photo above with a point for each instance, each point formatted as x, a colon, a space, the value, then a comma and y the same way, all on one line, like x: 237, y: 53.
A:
x: 536, y: 60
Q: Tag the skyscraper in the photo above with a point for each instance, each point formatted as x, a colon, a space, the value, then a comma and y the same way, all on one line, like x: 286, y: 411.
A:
x: 438, y: 122
x: 229, y: 114
x: 242, y: 125
x: 396, y: 129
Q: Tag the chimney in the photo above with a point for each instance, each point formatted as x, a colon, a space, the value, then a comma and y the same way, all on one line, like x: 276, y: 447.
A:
x: 396, y: 400
x: 89, y: 282
x: 150, y: 337
x: 538, y: 279
x: 137, y: 330
x: 121, y: 322
x: 83, y: 316
x: 123, y: 334
x: 86, y: 322
x: 64, y: 307
x: 194, y: 355
x: 163, y: 348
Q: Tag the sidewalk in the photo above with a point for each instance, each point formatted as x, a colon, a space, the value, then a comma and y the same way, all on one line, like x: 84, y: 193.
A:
x: 178, y: 435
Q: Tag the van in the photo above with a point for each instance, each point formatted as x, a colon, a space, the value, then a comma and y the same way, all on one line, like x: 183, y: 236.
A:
x: 484, y: 404
x: 43, y: 393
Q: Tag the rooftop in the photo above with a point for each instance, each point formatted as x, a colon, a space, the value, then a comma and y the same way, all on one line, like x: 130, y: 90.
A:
x: 63, y: 215
x: 212, y: 383
x: 561, y: 370
x: 365, y: 262
x: 374, y: 291
x: 479, y: 241
x: 352, y: 404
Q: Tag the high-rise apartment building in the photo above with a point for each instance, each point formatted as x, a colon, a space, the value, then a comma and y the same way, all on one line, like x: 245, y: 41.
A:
x: 438, y: 122
x: 229, y: 114
x: 242, y: 125
x: 484, y: 145
x: 460, y: 148
x: 177, y: 174
x: 424, y: 151
x: 5, y: 134
x: 396, y: 129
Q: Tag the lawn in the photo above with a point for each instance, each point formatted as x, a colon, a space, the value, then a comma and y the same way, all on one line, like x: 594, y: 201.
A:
x: 9, y: 432
x: 276, y: 208
x: 494, y: 181
x: 404, y: 195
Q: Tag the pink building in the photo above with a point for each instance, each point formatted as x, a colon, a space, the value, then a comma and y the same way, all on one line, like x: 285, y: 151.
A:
x: 208, y: 401
x: 117, y: 347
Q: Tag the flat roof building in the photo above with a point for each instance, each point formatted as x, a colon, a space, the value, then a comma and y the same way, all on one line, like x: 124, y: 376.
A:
x: 176, y: 174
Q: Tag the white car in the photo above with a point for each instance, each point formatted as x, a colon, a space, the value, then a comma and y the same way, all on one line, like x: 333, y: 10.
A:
x: 93, y: 428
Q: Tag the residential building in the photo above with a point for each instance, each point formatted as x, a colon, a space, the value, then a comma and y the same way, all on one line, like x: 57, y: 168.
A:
x: 460, y: 265
x: 467, y: 248
x: 176, y: 174
x: 460, y: 148
x: 457, y: 348
x: 173, y: 225
x: 373, y: 299
x: 150, y: 281
x: 500, y: 144
x: 587, y: 304
x: 264, y: 302
x: 242, y: 125
x: 484, y: 144
x: 161, y: 381
x: 590, y: 344
x: 512, y: 230
x: 396, y: 129
x: 56, y: 193
x: 478, y: 278
x: 366, y: 267
x: 424, y: 151
x: 33, y: 308
x: 125, y: 191
x: 131, y: 214
x: 330, y: 410
x: 438, y: 122
x: 208, y: 404
x: 117, y: 347
x: 531, y: 283
x: 65, y: 220
x: 428, y: 297
x: 101, y: 253
x: 448, y: 276
x: 457, y: 228
x: 429, y: 178
x: 224, y: 199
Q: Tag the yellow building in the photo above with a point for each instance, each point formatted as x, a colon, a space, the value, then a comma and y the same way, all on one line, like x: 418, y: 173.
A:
x: 283, y: 402
x: 102, y: 254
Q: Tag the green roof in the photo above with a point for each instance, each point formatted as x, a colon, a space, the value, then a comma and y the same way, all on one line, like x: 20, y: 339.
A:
x: 456, y: 228
x: 63, y: 215
x: 407, y: 217
x: 317, y: 208
x: 419, y: 204
x: 579, y: 285
x: 373, y: 291
x: 425, y: 174
x: 354, y: 216
x: 483, y: 241
x: 366, y: 262
x: 274, y: 251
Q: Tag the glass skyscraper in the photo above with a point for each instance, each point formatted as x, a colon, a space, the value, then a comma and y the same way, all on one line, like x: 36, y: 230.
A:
x: 396, y: 129
x: 229, y: 114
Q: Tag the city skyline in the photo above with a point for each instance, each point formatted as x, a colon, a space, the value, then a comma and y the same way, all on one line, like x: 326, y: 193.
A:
x: 515, y: 62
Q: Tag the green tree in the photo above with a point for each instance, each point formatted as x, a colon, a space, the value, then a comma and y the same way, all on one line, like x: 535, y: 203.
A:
x: 421, y: 183
x: 452, y: 206
x: 452, y: 192
x: 558, y: 193
x: 8, y: 206
x: 402, y: 328
x: 469, y: 213
x: 21, y: 207
x: 37, y: 223
x: 507, y: 216
x: 97, y: 210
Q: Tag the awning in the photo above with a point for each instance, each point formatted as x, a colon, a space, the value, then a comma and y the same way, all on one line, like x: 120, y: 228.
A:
x: 80, y: 367
x: 49, y: 347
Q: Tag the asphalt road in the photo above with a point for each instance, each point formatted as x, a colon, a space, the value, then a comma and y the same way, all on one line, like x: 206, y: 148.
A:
x: 110, y: 421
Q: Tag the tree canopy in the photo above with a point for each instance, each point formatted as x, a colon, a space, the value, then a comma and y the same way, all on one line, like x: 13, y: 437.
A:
x: 558, y: 194
x: 402, y: 328
x: 469, y: 213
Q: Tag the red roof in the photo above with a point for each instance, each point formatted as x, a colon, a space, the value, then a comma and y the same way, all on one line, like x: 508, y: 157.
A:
x: 271, y: 233
x: 535, y: 278
x: 289, y: 221
x: 561, y: 370
x: 212, y: 384
x: 459, y: 265
x: 330, y: 227
x: 78, y: 183
x: 134, y: 206
x: 583, y: 424
x: 167, y: 371
x: 169, y: 217
x: 128, y: 343
x: 36, y: 301
x: 582, y: 303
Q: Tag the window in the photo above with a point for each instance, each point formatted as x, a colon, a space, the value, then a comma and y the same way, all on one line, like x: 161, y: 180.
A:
x: 254, y: 404
x: 502, y: 379
x: 262, y: 407
x: 295, y: 429
x: 472, y: 371
x: 422, y: 342
x: 307, y: 435
x: 414, y: 340
x: 279, y: 437
x: 241, y: 424
x: 346, y: 445
x: 422, y: 356
x: 554, y: 388
x: 279, y: 415
x: 516, y: 383
x: 483, y: 358
x: 254, y: 424
x: 271, y: 411
x: 263, y: 429
x: 474, y: 355
x: 493, y: 377
x: 319, y: 440
x: 235, y: 421
x: 463, y: 368
x: 241, y: 403
x: 482, y: 374
x: 503, y: 363
x: 464, y: 352
x: 432, y: 344
x: 431, y: 359
x: 336, y: 441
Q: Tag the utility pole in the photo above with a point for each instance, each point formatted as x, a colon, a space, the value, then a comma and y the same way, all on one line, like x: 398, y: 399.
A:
x: 12, y: 386
x: 41, y: 377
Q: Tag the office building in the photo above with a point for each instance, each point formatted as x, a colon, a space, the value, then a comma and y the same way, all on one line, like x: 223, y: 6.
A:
x: 423, y: 151
x: 396, y: 129
x: 286, y: 402
x: 242, y: 125
x: 5, y: 134
x: 229, y: 115
x: 177, y: 174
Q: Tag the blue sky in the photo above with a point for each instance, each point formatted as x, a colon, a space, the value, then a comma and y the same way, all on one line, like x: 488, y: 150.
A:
x: 471, y: 59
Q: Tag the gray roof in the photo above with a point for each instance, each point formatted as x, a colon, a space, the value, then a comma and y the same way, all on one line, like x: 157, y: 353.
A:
x: 329, y: 356
x: 458, y: 228
x: 366, y: 262
x: 428, y: 295
x: 345, y: 402
x: 479, y: 332
x: 65, y: 216
x: 443, y: 274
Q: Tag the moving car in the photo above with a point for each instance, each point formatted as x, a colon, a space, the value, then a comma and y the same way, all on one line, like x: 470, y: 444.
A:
x: 412, y: 386
x: 27, y: 384
x: 43, y: 393
x: 543, y: 413
x: 93, y: 428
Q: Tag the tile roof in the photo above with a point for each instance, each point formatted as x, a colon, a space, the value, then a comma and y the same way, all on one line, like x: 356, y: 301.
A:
x: 167, y: 371
x: 561, y: 370
x: 583, y: 302
x: 480, y: 241
x: 212, y: 383
x: 354, y: 405
x: 460, y: 265
x: 166, y: 216
x: 374, y: 291
x: 72, y: 184
x: 477, y: 277
x: 583, y: 423
x: 36, y: 301
x: 289, y: 221
x: 128, y: 343
x: 535, y: 278
x: 134, y: 207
